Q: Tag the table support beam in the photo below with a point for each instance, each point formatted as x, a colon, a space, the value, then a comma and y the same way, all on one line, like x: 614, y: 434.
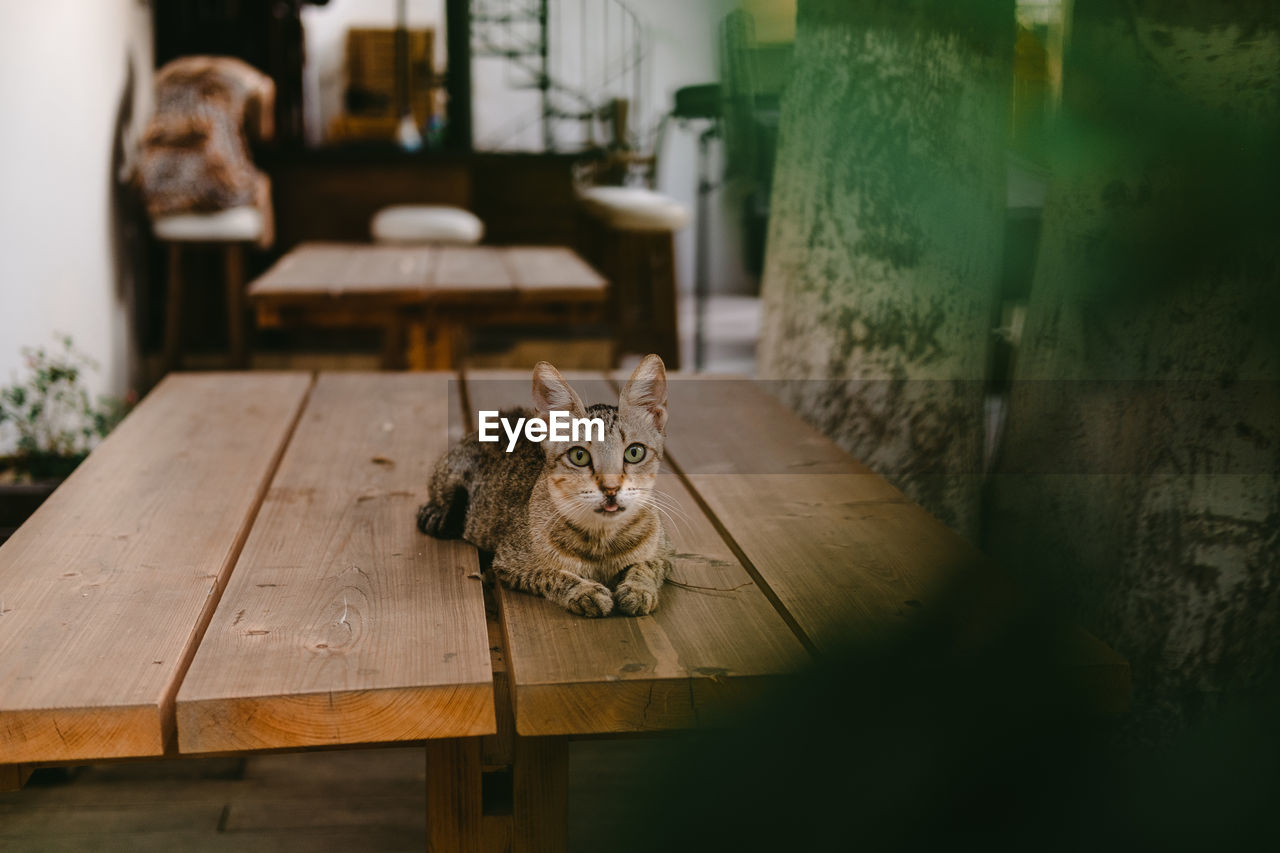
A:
x: 453, y: 795
x: 540, y: 810
x: 14, y: 776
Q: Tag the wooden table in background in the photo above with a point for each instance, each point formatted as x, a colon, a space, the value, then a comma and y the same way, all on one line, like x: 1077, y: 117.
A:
x: 430, y: 295
x: 236, y: 569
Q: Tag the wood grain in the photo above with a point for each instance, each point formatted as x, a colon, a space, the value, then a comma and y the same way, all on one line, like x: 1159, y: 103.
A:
x: 540, y: 783
x: 843, y: 567
x: 342, y: 624
x: 14, y: 776
x: 314, y: 270
x: 841, y: 552
x: 732, y: 425
x: 552, y: 272
x: 713, y: 642
x: 453, y: 796
x: 470, y: 270
x: 106, y: 589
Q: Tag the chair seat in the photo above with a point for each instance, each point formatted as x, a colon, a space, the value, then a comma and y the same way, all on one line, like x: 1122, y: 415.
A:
x: 426, y: 223
x: 635, y: 209
x: 236, y: 224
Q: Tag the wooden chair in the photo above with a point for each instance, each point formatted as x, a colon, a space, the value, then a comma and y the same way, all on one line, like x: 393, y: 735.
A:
x: 231, y: 229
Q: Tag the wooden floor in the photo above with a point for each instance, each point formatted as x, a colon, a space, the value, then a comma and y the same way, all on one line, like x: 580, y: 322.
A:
x: 367, y: 800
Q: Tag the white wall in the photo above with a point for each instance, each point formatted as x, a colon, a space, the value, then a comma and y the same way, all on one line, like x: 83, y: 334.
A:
x: 62, y: 71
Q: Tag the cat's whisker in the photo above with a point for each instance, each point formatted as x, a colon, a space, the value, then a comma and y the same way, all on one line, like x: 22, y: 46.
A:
x: 676, y: 525
x: 671, y: 510
x: 670, y: 501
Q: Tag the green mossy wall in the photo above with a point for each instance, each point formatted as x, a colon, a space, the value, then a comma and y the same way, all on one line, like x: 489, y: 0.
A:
x: 1139, y: 475
x: 884, y: 244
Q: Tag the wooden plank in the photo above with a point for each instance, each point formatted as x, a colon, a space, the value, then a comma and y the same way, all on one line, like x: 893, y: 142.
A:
x: 106, y: 589
x: 842, y: 553
x: 713, y: 642
x: 330, y: 270
x: 844, y: 568
x: 553, y: 272
x: 840, y: 549
x: 342, y: 624
x: 469, y: 271
x: 732, y: 425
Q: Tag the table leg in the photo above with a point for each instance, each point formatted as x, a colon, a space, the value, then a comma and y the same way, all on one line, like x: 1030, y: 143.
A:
x: 540, y: 810
x: 173, y: 311
x: 453, y: 795
x: 432, y: 342
x: 393, y: 344
x: 14, y: 776
x: 444, y: 343
x: 234, y: 260
x: 419, y: 353
x: 665, y: 328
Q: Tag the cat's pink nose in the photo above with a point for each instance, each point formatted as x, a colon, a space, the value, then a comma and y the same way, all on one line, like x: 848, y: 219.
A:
x: 609, y: 491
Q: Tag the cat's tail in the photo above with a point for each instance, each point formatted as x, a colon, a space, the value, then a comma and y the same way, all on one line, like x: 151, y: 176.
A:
x: 444, y: 520
x: 444, y: 515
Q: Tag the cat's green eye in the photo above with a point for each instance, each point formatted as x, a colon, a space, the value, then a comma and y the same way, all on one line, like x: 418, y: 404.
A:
x: 634, y: 453
x: 579, y: 456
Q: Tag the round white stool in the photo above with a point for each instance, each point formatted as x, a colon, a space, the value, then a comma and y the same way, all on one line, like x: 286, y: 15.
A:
x: 636, y: 252
x: 232, y: 228
x: 414, y: 224
x: 635, y: 209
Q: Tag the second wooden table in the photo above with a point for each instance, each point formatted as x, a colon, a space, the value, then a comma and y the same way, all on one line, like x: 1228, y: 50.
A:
x: 429, y: 295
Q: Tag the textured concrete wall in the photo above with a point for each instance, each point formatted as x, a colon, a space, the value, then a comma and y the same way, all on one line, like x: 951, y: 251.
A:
x: 1139, y: 475
x: 1139, y: 480
x: 884, y: 240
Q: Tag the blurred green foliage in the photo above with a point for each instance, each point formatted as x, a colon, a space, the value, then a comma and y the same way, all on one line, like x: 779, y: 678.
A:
x: 49, y: 416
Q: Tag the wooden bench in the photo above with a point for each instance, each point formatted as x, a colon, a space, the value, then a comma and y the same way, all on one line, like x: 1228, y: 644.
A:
x: 236, y: 570
x: 427, y: 298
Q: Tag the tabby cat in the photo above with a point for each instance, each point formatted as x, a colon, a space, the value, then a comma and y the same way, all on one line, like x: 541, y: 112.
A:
x: 574, y: 522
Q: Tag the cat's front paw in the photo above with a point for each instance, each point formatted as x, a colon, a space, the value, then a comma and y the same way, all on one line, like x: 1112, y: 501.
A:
x: 589, y: 599
x: 636, y: 599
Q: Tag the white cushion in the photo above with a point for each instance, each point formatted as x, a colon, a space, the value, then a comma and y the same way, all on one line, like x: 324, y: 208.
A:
x: 231, y: 225
x: 635, y: 208
x: 426, y: 223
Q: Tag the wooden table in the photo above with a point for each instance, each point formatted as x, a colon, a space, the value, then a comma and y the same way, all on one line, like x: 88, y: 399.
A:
x: 236, y: 569
x: 431, y: 295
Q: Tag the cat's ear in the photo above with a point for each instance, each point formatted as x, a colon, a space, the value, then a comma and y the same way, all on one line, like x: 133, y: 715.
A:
x: 647, y: 390
x: 552, y: 393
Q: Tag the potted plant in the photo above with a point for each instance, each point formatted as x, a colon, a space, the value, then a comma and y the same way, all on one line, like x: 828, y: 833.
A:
x: 48, y: 425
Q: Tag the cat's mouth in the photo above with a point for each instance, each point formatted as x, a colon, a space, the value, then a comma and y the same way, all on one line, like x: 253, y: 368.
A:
x: 609, y: 506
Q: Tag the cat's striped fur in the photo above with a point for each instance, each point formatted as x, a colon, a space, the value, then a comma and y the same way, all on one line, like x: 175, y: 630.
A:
x: 586, y: 536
